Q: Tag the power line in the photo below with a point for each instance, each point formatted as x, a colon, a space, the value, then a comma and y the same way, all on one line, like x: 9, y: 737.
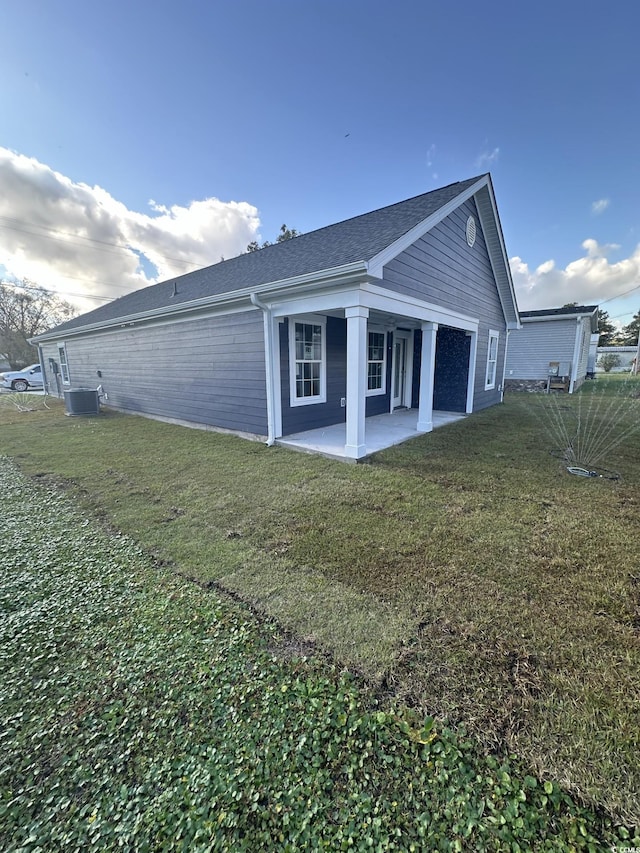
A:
x: 618, y: 316
x: 620, y: 295
x: 37, y: 289
x: 97, y: 244
x: 70, y: 238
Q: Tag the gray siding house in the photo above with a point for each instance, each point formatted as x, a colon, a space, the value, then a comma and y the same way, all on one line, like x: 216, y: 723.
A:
x: 627, y: 358
x: 555, y: 336
x: 404, y: 308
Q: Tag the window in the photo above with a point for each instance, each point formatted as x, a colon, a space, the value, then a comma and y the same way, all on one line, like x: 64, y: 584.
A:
x: 64, y: 367
x: 492, y: 360
x: 376, y: 363
x: 307, y: 360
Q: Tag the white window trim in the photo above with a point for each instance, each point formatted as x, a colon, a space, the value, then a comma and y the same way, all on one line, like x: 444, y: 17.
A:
x: 62, y: 351
x: 489, y: 385
x: 378, y: 392
x: 316, y: 320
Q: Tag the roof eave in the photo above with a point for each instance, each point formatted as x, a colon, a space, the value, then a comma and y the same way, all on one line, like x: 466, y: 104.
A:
x: 592, y: 316
x: 497, y: 251
x: 357, y: 270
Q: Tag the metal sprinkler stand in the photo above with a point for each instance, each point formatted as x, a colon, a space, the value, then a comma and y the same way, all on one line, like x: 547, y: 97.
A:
x: 581, y: 472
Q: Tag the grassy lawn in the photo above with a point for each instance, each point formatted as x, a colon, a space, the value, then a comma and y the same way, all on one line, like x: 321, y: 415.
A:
x: 141, y: 713
x: 464, y: 574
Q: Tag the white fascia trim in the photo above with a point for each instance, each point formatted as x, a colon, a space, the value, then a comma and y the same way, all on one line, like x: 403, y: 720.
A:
x: 376, y: 298
x: 326, y: 300
x: 551, y: 317
x: 380, y: 299
x: 166, y: 320
x: 320, y: 278
x: 377, y: 263
x: 503, y: 249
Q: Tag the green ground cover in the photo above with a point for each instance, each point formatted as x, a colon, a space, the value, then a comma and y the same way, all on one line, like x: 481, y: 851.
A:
x: 141, y: 713
x: 464, y: 574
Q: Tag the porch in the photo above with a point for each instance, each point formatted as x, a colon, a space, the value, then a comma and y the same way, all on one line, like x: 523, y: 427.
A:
x: 381, y: 431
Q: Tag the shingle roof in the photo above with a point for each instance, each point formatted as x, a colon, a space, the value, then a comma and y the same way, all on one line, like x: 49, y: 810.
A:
x: 353, y: 240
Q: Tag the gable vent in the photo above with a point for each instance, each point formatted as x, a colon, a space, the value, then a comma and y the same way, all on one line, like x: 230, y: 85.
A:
x: 471, y: 231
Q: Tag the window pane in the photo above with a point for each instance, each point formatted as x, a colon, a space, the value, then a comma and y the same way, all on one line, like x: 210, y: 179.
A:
x: 376, y: 359
x: 376, y: 346
x: 492, y: 360
x: 308, y: 342
x: 64, y: 369
x: 374, y: 377
x: 308, y: 359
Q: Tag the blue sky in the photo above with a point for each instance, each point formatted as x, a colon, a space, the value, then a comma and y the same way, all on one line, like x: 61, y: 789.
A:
x: 143, y: 139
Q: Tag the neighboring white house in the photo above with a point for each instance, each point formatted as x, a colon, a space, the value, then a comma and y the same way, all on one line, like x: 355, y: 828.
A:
x: 627, y: 356
x: 554, y: 342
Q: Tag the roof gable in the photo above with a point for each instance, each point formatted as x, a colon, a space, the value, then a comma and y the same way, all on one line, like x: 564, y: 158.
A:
x: 369, y: 240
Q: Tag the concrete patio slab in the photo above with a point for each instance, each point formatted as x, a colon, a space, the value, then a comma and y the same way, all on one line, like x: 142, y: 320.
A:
x: 381, y: 431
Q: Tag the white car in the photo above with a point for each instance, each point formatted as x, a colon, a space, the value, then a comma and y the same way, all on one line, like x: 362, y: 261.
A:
x: 22, y: 380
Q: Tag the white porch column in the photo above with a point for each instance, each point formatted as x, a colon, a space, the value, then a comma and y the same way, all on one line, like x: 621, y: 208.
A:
x: 357, y: 317
x: 427, y: 369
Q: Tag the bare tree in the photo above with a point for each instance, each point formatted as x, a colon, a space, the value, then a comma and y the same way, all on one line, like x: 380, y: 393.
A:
x: 27, y: 310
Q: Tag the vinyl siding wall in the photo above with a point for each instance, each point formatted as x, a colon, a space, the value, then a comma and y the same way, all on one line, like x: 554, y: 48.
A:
x: 536, y: 344
x: 443, y: 269
x: 300, y: 418
x: 207, y: 371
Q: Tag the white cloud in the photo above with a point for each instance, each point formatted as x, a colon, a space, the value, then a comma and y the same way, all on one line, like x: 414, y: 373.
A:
x: 77, y: 239
x: 598, y: 207
x: 487, y: 158
x: 587, y: 280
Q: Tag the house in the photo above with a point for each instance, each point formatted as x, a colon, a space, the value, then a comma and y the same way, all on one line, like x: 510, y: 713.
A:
x: 551, y: 349
x: 404, y: 309
x: 593, y: 355
x: 626, y: 359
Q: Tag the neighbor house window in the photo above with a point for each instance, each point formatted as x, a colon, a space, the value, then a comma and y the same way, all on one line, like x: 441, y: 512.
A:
x: 307, y: 355
x: 376, y: 363
x: 492, y: 361
x: 64, y: 366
